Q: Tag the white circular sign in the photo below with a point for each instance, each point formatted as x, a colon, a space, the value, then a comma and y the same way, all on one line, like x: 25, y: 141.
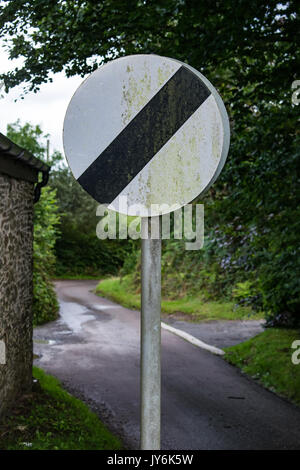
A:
x: 145, y: 134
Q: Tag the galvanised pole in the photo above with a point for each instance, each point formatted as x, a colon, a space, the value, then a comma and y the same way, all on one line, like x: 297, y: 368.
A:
x: 151, y: 334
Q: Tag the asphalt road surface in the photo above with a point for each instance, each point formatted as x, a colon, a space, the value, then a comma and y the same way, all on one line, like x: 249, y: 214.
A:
x: 219, y: 333
x: 206, y: 403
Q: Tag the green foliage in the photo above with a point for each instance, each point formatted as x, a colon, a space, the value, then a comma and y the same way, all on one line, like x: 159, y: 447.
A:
x: 236, y: 40
x: 51, y: 419
x: 250, y: 52
x: 46, y: 220
x: 45, y: 305
x: 132, y: 259
x: 32, y: 138
x: 29, y: 137
x: 83, y: 253
x: 78, y: 250
x: 242, y: 291
x: 74, y: 249
x: 267, y: 358
x: 76, y: 206
x: 190, y: 307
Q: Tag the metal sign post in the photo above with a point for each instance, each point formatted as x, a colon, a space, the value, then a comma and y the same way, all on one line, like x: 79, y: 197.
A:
x: 151, y: 334
x: 145, y: 135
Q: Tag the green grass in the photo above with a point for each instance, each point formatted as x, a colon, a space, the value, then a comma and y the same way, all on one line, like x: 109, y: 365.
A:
x: 267, y: 358
x: 51, y: 418
x: 193, y: 308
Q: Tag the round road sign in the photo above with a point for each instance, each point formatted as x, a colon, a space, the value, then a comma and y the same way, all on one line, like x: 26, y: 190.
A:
x: 146, y: 134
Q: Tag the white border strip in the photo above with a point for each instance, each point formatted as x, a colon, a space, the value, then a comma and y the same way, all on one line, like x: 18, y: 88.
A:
x: 191, y: 339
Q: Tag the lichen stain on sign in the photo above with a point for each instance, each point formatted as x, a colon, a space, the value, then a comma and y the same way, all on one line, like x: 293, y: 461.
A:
x: 154, y: 130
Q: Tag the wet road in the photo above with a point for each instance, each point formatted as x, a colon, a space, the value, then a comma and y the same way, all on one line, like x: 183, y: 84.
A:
x: 206, y: 403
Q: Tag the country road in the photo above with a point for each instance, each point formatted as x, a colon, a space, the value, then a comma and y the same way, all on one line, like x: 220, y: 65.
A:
x: 206, y: 404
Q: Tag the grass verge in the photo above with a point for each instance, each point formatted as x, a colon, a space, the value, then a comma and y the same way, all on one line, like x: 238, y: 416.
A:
x: 268, y: 358
x: 193, y: 308
x: 51, y: 418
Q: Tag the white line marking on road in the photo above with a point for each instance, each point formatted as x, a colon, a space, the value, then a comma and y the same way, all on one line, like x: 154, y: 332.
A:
x: 191, y: 339
x: 104, y: 307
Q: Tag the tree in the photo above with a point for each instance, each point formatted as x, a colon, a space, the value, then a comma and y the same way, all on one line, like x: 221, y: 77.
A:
x: 250, y: 51
x: 33, y: 139
x: 78, y: 36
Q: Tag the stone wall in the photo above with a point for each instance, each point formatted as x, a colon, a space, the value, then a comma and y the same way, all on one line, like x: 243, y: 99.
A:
x: 16, y: 240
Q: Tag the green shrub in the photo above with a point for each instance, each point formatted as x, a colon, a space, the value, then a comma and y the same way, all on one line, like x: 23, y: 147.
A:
x: 79, y: 253
x: 45, y: 305
x: 46, y: 219
x: 78, y: 250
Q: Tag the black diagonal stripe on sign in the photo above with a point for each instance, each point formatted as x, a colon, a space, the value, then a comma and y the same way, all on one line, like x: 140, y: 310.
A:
x: 144, y: 136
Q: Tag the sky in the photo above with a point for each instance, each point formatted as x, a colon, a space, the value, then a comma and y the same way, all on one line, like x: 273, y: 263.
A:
x: 47, y: 107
